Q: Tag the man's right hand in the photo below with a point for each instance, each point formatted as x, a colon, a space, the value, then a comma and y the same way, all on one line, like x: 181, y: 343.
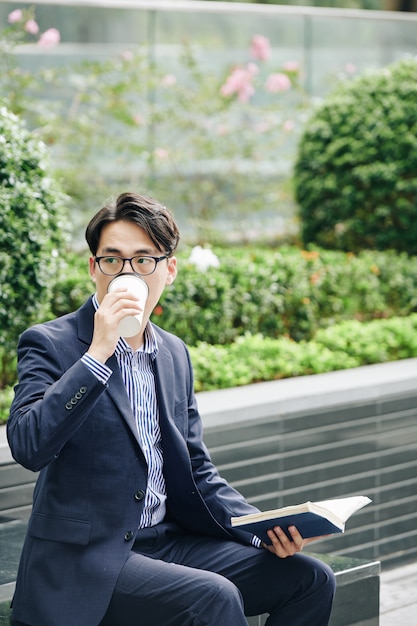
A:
x: 113, y: 308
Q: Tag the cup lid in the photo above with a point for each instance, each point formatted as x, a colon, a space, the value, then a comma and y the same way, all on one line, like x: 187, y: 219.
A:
x: 127, y: 276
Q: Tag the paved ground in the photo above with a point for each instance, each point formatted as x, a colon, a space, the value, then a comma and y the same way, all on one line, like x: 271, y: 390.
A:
x: 399, y: 596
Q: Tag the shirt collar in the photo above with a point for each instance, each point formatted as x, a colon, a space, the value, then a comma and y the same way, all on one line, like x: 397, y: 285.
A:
x: 150, y: 345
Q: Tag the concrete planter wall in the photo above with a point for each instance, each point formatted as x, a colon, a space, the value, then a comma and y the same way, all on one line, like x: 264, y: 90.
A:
x: 317, y: 437
x: 308, y: 438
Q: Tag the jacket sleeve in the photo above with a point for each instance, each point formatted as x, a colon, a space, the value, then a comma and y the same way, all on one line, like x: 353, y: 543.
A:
x: 205, y: 487
x: 54, y: 395
x: 223, y: 500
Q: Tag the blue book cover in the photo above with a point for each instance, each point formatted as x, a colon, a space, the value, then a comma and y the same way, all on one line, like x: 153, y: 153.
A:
x: 308, y: 525
x: 312, y: 519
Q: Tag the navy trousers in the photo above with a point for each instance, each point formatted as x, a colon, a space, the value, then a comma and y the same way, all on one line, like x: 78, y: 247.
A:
x: 173, y: 579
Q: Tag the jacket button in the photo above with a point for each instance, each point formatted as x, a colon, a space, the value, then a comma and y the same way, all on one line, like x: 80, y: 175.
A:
x: 139, y: 495
x: 128, y: 535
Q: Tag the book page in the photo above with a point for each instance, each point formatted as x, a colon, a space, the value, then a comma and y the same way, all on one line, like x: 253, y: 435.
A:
x: 342, y: 508
x: 272, y: 514
x: 337, y: 510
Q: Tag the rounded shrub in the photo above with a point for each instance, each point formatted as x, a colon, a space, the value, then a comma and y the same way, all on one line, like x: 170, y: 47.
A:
x: 355, y: 173
x: 32, y: 232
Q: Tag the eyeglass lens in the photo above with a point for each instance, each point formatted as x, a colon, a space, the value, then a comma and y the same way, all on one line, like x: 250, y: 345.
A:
x: 112, y: 265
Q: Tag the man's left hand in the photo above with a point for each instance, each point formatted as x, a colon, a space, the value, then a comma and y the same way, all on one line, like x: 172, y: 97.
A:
x: 283, y: 547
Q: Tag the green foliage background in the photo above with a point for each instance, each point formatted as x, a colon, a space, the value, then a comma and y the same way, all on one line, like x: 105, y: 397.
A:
x: 265, y: 313
x: 356, y: 168
x: 272, y: 292
x: 32, y: 231
x: 328, y: 311
x: 253, y: 358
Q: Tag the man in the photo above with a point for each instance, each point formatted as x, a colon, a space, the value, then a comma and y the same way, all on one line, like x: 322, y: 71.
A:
x: 131, y: 520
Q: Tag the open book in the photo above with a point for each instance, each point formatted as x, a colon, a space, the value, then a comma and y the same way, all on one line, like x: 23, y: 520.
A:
x: 312, y: 519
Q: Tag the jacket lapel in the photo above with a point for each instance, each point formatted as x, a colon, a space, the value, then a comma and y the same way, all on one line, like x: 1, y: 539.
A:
x: 164, y: 381
x: 116, y: 387
x: 118, y: 394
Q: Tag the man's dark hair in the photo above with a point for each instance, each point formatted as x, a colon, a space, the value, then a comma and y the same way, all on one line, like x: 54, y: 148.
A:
x: 147, y: 213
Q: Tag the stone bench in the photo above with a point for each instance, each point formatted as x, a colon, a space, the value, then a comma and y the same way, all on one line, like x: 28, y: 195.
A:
x: 357, y: 596
x: 12, y: 534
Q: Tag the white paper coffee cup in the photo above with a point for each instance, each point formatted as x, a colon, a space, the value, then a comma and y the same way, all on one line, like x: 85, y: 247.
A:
x: 130, y: 325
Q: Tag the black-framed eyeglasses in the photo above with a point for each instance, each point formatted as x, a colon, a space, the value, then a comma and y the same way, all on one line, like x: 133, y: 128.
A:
x: 142, y: 265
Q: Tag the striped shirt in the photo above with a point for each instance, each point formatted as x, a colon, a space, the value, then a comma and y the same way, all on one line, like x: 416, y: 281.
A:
x: 138, y: 376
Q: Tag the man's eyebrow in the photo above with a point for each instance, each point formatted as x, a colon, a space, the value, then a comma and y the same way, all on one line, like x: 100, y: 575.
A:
x: 109, y: 250
x: 117, y: 251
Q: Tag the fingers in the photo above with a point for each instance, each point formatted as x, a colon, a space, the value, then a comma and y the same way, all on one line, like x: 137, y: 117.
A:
x: 282, y: 546
x: 121, y: 300
x: 113, y: 308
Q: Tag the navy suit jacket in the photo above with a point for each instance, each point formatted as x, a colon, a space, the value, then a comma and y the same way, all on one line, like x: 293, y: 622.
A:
x: 81, y: 436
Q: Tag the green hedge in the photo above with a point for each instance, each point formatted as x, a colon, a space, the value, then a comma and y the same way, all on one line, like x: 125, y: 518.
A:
x: 253, y: 358
x: 32, y: 230
x: 355, y: 175
x: 267, y: 314
x: 284, y: 292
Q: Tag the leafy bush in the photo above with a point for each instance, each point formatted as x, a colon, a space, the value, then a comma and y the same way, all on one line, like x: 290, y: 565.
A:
x: 356, y: 169
x: 32, y: 228
x: 73, y: 284
x: 251, y: 359
x: 6, y: 397
x: 285, y: 292
x: 374, y: 342
x: 311, y: 291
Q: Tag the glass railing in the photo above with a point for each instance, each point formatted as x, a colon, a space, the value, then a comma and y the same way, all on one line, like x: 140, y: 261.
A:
x: 326, y: 45
x: 324, y: 41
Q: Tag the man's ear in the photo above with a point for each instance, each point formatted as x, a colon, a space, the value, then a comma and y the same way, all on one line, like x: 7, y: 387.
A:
x: 172, y: 270
x: 92, y: 269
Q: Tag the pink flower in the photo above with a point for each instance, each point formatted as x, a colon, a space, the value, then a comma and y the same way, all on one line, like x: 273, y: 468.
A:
x: 277, y: 82
x: 240, y: 82
x: 32, y: 27
x: 222, y: 129
x: 169, y: 80
x: 262, y: 127
x: 15, y: 16
x: 288, y: 125
x: 291, y: 66
x: 127, y: 55
x: 260, y: 47
x: 138, y: 119
x: 161, y: 153
x: 350, y: 68
x: 49, y: 38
